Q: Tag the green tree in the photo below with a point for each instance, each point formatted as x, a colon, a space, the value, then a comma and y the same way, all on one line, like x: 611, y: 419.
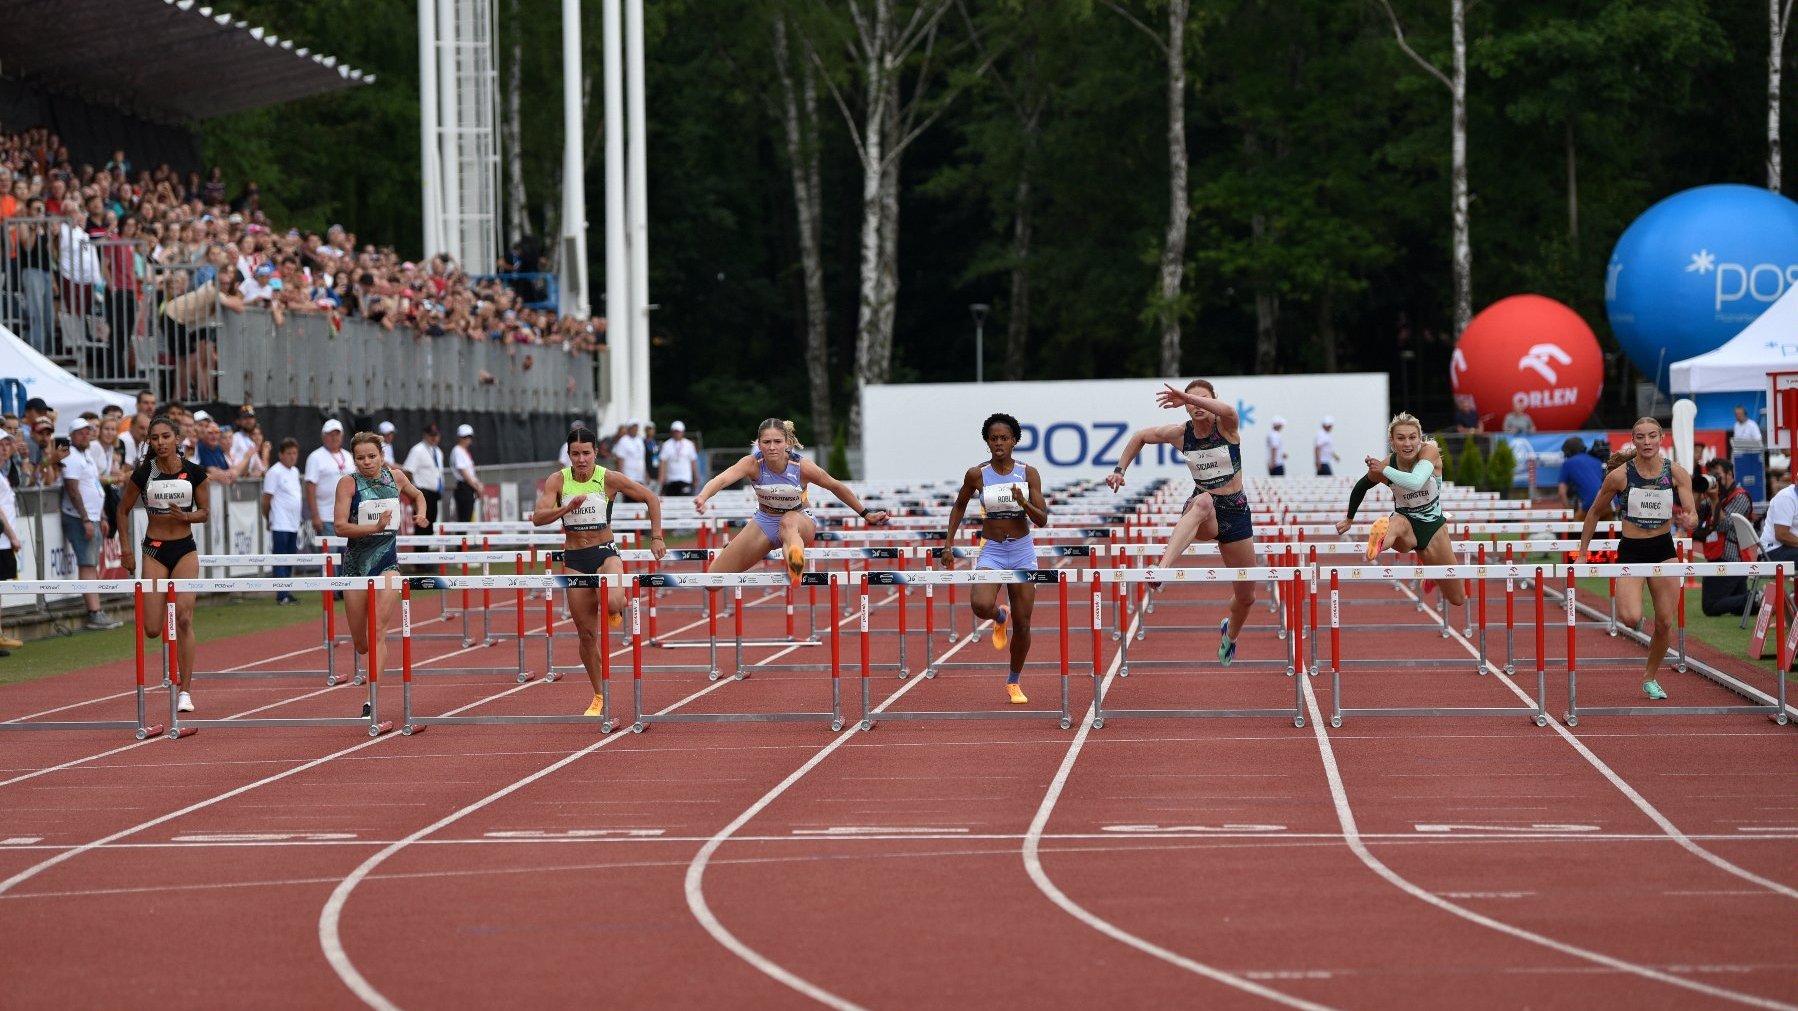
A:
x: 1470, y: 469
x: 1501, y: 468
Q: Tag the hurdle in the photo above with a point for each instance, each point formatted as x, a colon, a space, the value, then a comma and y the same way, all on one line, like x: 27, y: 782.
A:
x: 1289, y: 576
x: 927, y: 578
x: 735, y: 581
x: 141, y: 727
x: 1478, y: 575
x: 1772, y: 705
x: 412, y: 723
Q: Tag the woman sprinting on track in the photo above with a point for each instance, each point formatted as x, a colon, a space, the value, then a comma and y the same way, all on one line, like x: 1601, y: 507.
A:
x: 367, y: 514
x: 170, y: 489
x: 1648, y: 485
x: 1217, y: 509
x: 580, y: 495
x: 1011, y: 498
x: 1414, y: 470
x: 779, y: 477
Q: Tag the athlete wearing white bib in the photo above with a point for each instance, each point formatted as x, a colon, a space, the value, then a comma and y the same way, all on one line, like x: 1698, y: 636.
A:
x: 171, y: 490
x: 1413, y: 470
x: 1657, y: 498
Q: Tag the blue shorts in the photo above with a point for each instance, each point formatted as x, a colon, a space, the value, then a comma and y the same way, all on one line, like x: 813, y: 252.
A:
x: 769, y: 523
x: 1017, y: 553
x: 1235, y: 520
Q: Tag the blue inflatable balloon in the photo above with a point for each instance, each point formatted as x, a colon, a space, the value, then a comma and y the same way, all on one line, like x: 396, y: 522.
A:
x: 1695, y: 269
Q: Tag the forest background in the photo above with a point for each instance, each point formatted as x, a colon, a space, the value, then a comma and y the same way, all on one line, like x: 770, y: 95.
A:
x: 1136, y: 187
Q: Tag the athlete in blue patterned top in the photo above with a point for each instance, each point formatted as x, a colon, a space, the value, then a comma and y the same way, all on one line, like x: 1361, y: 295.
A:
x: 1011, y: 498
x: 367, y: 514
x: 1217, y: 510
x: 1649, y: 483
x: 779, y: 476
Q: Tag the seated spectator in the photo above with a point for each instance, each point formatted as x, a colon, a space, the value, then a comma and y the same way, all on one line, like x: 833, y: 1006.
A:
x: 1779, y: 542
x: 1519, y: 422
x: 1717, y: 539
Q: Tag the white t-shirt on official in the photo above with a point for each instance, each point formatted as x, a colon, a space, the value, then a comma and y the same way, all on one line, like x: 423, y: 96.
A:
x: 1748, y: 431
x: 681, y: 458
x: 1782, y: 511
x: 425, y: 464
x: 10, y: 506
x: 80, y: 467
x: 324, y: 469
x: 630, y: 453
x: 387, y: 452
x: 1276, y: 449
x: 462, y: 462
x: 1326, y: 448
x: 282, y: 486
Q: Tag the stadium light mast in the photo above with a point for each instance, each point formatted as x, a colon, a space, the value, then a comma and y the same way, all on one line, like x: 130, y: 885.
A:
x: 431, y: 169
x: 637, y: 207
x: 620, y: 321
x: 571, y: 267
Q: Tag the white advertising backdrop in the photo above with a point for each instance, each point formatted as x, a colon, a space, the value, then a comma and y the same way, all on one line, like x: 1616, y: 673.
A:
x: 1077, y: 428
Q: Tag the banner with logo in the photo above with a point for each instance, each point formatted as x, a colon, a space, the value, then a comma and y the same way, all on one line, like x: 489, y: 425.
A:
x: 1545, y: 449
x: 1078, y: 428
x: 25, y: 373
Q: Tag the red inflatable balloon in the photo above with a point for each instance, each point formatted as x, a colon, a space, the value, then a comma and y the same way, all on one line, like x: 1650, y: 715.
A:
x: 1535, y: 348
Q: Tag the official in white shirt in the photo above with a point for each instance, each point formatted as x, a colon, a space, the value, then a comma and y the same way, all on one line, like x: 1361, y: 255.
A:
x: 327, y: 465
x: 10, y: 545
x: 82, y: 528
x: 630, y: 453
x: 1779, y: 539
x: 1276, y: 447
x: 282, y: 502
x: 385, y: 428
x: 1324, y: 447
x: 1746, y: 429
x: 424, y: 465
x: 679, y: 467
x: 468, y: 484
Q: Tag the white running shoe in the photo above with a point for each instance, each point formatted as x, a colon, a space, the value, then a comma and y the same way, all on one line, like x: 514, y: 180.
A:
x: 184, y: 703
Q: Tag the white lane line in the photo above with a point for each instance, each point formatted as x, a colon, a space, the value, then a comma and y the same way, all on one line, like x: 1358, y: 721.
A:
x: 1033, y: 865
x: 1629, y: 792
x: 330, y: 918
x: 1351, y: 832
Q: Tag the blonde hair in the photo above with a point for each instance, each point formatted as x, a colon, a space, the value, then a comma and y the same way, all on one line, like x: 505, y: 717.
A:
x: 361, y: 437
x: 786, y: 428
x: 1622, y: 456
x: 1400, y: 420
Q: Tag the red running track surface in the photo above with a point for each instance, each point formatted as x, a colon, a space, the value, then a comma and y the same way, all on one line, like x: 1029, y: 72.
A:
x: 1392, y: 863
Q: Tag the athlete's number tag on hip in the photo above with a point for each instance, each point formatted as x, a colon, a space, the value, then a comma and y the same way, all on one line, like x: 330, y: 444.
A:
x: 385, y: 513
x: 173, y: 493
x: 1211, y: 464
x: 1651, y: 503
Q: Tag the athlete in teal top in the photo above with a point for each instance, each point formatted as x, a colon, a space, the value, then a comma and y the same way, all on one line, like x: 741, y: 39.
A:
x: 1413, y: 471
x: 368, y: 515
x: 580, y: 495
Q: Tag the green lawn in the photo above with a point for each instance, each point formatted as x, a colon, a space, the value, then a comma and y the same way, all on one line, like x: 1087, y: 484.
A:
x: 45, y: 657
x: 1719, y: 633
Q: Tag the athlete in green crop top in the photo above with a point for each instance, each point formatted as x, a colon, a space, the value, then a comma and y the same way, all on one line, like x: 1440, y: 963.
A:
x: 580, y: 495
x: 1414, y: 471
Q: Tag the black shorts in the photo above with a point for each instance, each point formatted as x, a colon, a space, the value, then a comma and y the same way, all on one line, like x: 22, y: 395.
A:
x: 1645, y: 550
x: 587, y: 561
x: 1235, y: 519
x: 169, y: 552
x: 677, y: 488
x: 9, y: 562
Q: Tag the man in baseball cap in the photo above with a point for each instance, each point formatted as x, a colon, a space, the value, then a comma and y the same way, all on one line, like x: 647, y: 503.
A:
x: 327, y: 465
x: 1324, y: 447
x: 468, y: 483
x: 385, y: 429
x: 1276, y: 447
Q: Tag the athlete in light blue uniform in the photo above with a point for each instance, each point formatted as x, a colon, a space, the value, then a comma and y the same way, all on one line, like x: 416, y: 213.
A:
x: 779, y: 476
x: 1011, y: 497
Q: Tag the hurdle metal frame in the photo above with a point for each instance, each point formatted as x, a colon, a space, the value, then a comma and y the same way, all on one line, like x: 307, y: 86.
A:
x: 1774, y: 706
x: 735, y: 581
x: 929, y: 579
x: 141, y: 727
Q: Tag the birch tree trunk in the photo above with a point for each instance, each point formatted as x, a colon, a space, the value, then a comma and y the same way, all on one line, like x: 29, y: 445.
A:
x: 799, y: 118
x: 871, y: 350
x: 1173, y: 247
x: 1017, y: 321
x: 1457, y: 88
x: 1779, y: 18
x: 1572, y: 186
x: 516, y: 203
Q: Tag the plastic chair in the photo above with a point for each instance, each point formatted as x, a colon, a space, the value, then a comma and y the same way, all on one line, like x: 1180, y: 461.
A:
x: 1749, y: 543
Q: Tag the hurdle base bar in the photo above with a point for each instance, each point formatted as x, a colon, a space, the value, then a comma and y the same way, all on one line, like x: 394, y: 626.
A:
x: 646, y: 719
x: 419, y: 724
x: 1063, y: 716
x: 140, y: 730
x: 1537, y: 716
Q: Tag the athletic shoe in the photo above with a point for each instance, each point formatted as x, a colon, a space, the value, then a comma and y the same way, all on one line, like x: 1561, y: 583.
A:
x: 795, y: 562
x: 8, y: 642
x: 1376, y: 538
x: 1429, y: 587
x: 98, y: 621
x: 1226, y: 646
x: 1153, y: 584
x: 1652, y: 689
x: 598, y: 708
x: 367, y: 710
x: 615, y: 619
x: 184, y: 703
x: 1000, y: 637
x: 1015, y: 693
x: 284, y: 601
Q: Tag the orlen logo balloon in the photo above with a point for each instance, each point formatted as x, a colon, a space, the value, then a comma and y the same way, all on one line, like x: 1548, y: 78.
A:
x: 1695, y: 269
x: 1533, y: 348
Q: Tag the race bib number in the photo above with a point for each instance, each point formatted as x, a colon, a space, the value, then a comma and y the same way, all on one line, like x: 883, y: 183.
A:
x: 1404, y: 498
x: 1651, y: 503
x: 1212, y: 464
x: 1002, y: 498
x: 590, y: 514
x: 383, y: 513
x: 171, y: 493
x: 779, y: 497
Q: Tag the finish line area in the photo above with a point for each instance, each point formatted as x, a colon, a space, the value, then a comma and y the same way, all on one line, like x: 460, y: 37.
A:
x: 830, y: 801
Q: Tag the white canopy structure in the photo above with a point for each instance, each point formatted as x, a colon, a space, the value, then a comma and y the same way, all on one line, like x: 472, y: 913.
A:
x: 24, y: 373
x: 1769, y: 344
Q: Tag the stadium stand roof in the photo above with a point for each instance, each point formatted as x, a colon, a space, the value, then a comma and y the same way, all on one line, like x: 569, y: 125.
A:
x: 168, y: 60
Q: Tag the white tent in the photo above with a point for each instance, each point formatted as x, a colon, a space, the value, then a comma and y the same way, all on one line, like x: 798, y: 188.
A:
x: 24, y: 373
x: 1769, y: 344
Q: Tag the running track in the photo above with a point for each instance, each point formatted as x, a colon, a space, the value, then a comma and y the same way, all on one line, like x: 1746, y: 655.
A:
x: 1220, y: 863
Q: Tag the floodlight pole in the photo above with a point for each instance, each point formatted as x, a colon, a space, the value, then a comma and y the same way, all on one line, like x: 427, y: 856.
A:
x: 637, y: 208
x: 620, y: 321
x: 430, y: 169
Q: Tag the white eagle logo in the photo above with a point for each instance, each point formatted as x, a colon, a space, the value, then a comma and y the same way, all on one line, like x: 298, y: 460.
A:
x: 1539, y: 356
